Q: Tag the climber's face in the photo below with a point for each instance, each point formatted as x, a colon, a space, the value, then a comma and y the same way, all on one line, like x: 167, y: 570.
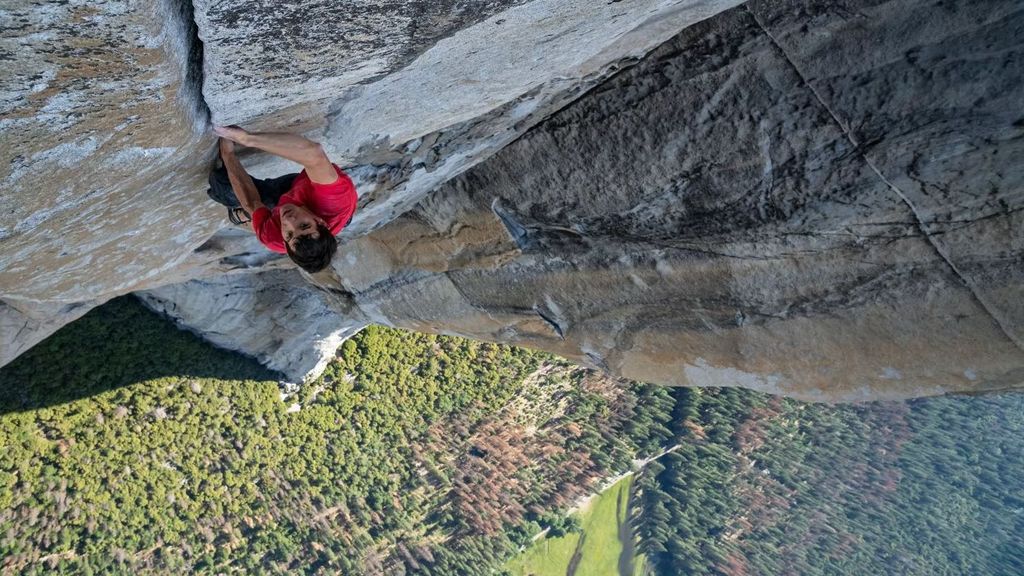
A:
x: 297, y: 221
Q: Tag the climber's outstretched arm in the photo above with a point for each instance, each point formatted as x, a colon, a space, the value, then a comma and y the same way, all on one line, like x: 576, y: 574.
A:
x: 241, y: 183
x: 291, y: 146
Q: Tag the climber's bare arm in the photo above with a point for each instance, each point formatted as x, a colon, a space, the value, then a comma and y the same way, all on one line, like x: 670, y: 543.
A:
x: 241, y: 183
x: 291, y: 146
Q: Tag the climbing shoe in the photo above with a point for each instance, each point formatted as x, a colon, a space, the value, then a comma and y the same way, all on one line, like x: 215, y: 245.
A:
x: 238, y: 216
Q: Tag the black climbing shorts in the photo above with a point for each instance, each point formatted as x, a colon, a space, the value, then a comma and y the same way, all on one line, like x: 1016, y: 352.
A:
x: 270, y: 190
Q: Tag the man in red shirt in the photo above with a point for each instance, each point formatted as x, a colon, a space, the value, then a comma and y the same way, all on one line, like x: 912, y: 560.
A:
x: 296, y: 214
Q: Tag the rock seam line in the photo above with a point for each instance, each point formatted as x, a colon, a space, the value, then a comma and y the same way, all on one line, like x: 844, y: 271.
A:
x: 986, y: 306
x: 192, y: 59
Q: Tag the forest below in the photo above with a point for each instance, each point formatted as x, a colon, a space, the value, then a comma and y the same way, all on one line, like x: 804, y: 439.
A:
x: 131, y: 447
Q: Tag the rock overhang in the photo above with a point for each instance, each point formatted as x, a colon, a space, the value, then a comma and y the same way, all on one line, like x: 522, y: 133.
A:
x: 104, y: 112
x: 865, y: 222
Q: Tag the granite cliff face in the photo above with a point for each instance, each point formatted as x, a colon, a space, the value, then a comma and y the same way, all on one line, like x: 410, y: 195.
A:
x: 822, y: 200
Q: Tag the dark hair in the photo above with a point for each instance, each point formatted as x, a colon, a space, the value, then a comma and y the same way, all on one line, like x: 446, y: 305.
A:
x: 313, y: 254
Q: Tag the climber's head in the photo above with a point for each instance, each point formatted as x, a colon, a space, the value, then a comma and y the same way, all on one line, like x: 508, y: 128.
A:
x: 307, y: 239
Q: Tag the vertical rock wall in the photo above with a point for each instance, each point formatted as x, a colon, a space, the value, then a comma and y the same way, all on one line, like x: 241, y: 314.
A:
x: 97, y: 122
x: 104, y: 105
x: 724, y: 213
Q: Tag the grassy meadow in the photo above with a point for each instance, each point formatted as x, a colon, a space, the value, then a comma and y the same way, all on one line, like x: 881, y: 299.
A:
x: 595, y: 551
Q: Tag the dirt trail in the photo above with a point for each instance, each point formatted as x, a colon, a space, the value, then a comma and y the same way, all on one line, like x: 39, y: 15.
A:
x: 577, y: 556
x: 628, y: 555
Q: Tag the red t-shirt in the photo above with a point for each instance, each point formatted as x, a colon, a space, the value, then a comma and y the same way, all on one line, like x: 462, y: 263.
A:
x: 334, y: 202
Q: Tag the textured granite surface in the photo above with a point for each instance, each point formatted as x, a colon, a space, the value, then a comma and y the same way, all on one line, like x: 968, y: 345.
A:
x: 817, y: 199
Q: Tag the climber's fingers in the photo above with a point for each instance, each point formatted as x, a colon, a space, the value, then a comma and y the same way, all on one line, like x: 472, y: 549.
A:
x: 233, y: 133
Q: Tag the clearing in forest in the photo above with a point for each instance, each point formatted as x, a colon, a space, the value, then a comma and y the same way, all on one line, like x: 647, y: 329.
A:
x: 594, y: 552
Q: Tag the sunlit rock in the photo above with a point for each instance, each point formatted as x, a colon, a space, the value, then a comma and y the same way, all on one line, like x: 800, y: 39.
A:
x: 819, y: 200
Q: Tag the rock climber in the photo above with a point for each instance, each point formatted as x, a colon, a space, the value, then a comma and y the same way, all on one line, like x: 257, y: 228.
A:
x: 295, y: 214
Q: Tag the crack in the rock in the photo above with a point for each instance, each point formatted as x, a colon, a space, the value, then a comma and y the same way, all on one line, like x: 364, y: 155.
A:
x: 551, y: 320
x: 20, y: 330
x: 971, y: 287
x: 187, y: 47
